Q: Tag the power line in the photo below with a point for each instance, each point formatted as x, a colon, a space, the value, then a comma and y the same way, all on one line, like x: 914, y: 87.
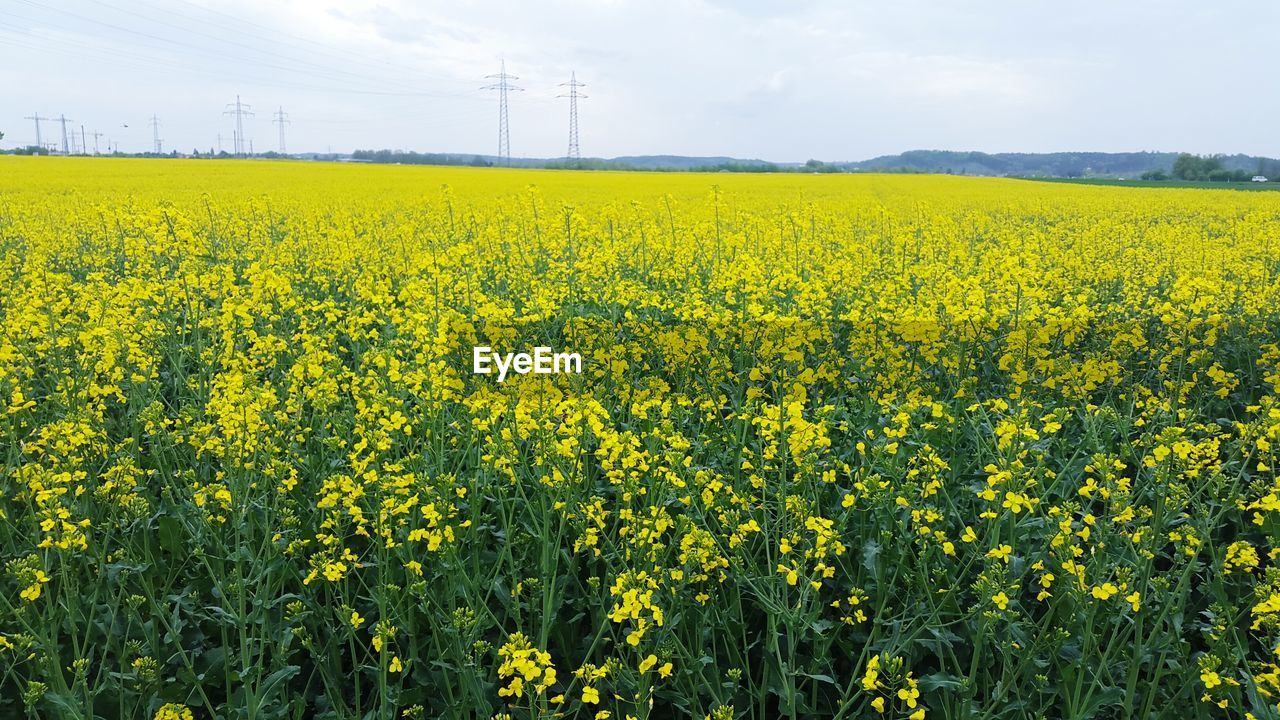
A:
x: 238, y: 109
x: 573, y: 96
x: 188, y: 46
x: 281, y: 118
x: 152, y: 62
x: 279, y: 37
x: 38, y: 120
x: 503, y: 86
x: 155, y: 133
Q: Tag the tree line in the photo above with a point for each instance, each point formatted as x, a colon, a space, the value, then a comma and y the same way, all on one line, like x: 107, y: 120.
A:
x: 1209, y: 168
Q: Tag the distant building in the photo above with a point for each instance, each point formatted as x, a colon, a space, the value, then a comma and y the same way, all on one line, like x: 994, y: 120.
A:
x: 1259, y: 178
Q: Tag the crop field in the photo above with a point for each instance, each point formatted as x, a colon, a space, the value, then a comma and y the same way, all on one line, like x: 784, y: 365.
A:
x: 841, y: 446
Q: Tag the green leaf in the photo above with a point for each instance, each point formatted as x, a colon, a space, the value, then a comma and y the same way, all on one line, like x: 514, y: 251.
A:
x: 275, y: 680
x: 870, y: 552
x: 940, y: 681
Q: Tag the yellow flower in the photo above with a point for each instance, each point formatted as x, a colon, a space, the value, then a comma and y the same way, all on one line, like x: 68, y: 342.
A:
x: 648, y: 663
x: 872, y: 675
x: 1001, y: 552
x: 908, y: 695
x: 792, y: 576
x: 1001, y: 600
x: 32, y: 592
x: 590, y: 695
x: 1210, y: 679
x: 173, y: 711
x: 395, y: 666
x: 515, y: 687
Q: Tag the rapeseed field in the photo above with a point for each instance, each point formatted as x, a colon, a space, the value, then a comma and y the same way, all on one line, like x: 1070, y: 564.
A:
x: 842, y: 446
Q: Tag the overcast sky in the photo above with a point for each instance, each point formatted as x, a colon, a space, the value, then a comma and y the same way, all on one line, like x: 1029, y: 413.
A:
x: 786, y: 80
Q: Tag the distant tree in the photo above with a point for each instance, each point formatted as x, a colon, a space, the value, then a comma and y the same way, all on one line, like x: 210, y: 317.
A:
x: 1186, y: 167
x: 1159, y: 175
x: 1195, y: 167
x: 817, y: 166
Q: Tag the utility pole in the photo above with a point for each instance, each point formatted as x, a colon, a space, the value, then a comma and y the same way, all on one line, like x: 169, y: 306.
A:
x: 38, y: 119
x: 503, y: 86
x: 238, y: 109
x: 66, y: 147
x: 155, y: 133
x: 84, y: 145
x: 281, y: 118
x: 219, y: 143
x: 573, y: 96
x: 96, y: 135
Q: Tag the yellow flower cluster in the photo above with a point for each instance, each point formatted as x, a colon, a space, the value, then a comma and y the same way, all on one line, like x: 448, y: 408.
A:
x: 524, y: 664
x: 841, y: 445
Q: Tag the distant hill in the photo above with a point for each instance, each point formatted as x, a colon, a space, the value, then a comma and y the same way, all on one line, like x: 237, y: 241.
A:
x: 1099, y: 165
x: 625, y: 162
x: 682, y: 162
x: 1063, y: 164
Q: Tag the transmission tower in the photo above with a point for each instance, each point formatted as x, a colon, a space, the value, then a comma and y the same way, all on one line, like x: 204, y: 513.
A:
x: 281, y: 118
x: 573, y: 96
x: 38, y: 120
x: 66, y: 146
x: 238, y: 109
x: 155, y: 134
x: 96, y: 135
x: 503, y: 86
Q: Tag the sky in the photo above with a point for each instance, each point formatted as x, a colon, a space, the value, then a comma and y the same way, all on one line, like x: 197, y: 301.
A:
x: 784, y: 81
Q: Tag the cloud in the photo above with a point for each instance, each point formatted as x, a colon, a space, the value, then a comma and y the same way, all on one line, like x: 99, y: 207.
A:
x: 779, y: 80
